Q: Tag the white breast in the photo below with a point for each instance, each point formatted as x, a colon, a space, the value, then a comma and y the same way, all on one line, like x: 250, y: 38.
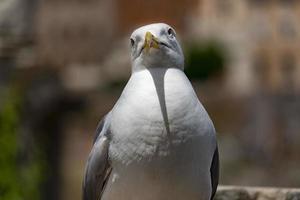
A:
x: 161, y: 135
x: 139, y: 119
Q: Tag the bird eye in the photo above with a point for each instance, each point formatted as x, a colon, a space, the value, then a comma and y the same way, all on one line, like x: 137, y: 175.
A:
x: 171, y: 32
x: 132, y: 42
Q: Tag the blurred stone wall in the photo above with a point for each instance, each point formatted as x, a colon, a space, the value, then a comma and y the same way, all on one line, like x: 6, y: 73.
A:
x: 256, y: 193
x: 131, y: 14
x: 70, y: 32
x: 16, y: 34
x: 263, y: 39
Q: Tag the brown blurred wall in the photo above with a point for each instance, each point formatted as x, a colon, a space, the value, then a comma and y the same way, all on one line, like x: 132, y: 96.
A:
x: 133, y: 13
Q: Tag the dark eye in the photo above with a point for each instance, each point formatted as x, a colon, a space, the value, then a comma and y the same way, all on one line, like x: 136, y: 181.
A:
x: 132, y: 42
x: 171, y: 32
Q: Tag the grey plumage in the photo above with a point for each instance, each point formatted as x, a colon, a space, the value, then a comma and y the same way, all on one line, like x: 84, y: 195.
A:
x: 98, y: 167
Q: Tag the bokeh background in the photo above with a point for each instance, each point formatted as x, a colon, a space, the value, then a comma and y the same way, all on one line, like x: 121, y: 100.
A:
x: 64, y: 63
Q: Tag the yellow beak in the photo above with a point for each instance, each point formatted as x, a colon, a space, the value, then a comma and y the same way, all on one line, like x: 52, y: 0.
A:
x: 150, y: 41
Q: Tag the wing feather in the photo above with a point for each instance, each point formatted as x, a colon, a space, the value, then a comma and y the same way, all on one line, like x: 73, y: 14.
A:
x: 98, y: 167
x: 214, y: 173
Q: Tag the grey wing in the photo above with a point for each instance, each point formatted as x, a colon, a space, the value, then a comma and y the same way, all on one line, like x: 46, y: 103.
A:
x: 214, y: 172
x: 102, y: 127
x: 98, y: 168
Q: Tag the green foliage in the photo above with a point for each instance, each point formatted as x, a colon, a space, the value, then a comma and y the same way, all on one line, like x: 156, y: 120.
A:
x: 18, y: 180
x: 204, y: 60
x: 9, y: 180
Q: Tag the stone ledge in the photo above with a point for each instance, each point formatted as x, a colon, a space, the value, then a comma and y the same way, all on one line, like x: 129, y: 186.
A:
x: 256, y: 193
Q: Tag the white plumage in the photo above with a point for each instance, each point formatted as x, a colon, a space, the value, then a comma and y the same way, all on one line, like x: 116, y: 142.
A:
x: 159, y: 141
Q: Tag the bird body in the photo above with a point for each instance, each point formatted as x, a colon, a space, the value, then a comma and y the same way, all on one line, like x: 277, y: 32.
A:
x: 142, y: 150
x: 158, y: 141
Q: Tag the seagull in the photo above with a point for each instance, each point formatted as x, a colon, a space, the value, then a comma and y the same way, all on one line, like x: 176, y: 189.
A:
x: 157, y: 142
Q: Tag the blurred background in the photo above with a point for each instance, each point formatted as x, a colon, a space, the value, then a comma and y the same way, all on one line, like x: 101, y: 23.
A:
x: 64, y: 63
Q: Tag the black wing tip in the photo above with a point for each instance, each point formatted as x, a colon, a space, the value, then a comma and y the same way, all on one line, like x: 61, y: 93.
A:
x: 215, y: 172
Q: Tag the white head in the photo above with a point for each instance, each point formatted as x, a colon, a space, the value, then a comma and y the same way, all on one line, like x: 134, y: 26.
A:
x: 155, y: 45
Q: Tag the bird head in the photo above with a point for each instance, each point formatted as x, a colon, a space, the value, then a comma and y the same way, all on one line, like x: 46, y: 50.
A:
x: 155, y: 45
